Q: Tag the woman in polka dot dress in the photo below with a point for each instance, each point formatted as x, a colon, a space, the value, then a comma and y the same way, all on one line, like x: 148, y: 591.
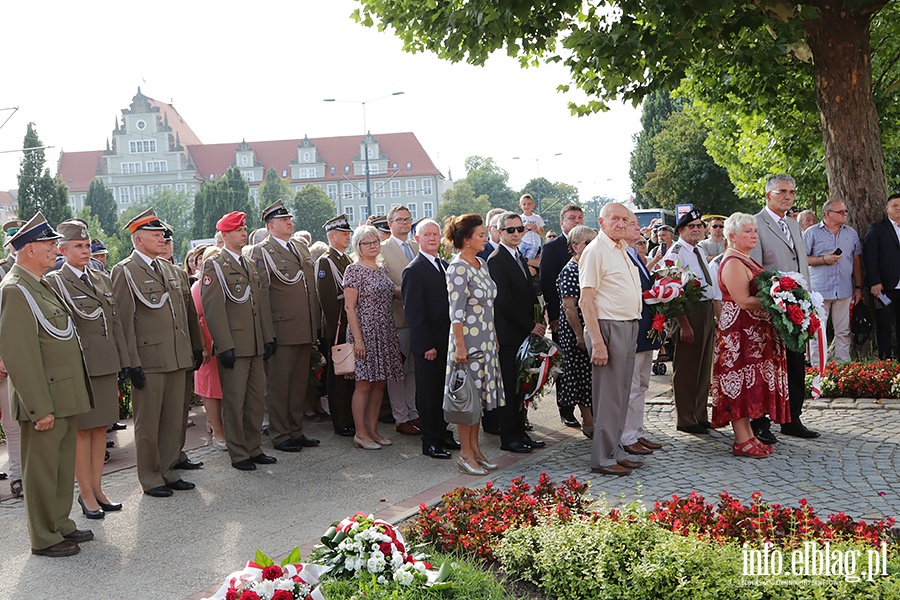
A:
x: 472, y: 293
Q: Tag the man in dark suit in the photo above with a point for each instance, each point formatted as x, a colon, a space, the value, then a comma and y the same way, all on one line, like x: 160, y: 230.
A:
x: 880, y: 252
x: 493, y: 233
x: 554, y: 257
x: 427, y: 310
x: 781, y: 247
x: 514, y: 321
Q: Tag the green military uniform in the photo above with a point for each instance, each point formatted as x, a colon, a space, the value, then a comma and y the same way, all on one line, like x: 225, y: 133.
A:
x: 287, y: 273
x: 237, y: 312
x: 47, y: 376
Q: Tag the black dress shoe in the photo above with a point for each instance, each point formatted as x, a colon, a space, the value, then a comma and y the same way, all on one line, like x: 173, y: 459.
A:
x: 387, y: 419
x: 533, y: 443
x: 63, y: 548
x: 244, y: 465
x: 449, y: 443
x: 346, y: 431
x: 264, y: 459
x: 766, y: 436
x: 307, y: 442
x: 162, y: 491
x: 181, y: 485
x: 288, y: 446
x: 517, y: 447
x: 706, y: 424
x: 798, y: 430
x: 110, y: 507
x: 110, y: 444
x: 528, y: 426
x: 3, y: 475
x: 435, y: 452
x: 571, y: 422
x: 117, y: 427
x: 79, y: 536
x: 189, y: 465
x: 90, y: 514
x: 697, y: 428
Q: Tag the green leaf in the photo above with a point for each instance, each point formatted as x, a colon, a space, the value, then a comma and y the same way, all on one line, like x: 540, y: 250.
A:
x: 262, y: 560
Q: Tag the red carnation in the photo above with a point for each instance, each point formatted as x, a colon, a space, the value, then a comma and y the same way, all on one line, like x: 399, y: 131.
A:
x: 250, y: 595
x: 282, y: 595
x: 795, y: 313
x: 787, y: 284
x: 231, y: 594
x: 659, y: 321
x: 271, y: 573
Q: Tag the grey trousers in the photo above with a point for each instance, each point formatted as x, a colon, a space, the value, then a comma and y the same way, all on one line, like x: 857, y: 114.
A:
x: 611, y: 387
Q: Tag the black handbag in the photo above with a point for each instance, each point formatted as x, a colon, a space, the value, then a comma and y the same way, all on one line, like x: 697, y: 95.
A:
x: 462, y: 399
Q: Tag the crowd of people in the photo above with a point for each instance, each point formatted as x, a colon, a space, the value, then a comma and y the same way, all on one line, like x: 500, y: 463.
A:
x: 244, y: 325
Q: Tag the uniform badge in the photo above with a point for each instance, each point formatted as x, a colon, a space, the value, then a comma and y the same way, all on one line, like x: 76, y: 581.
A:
x: 152, y: 297
x: 107, y: 294
x: 237, y: 288
x: 322, y: 274
x: 207, y: 280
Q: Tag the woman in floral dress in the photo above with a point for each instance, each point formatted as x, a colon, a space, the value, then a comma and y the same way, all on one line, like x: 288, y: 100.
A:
x: 368, y: 292
x: 749, y: 364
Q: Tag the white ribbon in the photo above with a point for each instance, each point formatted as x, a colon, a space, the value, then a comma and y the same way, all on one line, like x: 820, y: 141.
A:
x: 225, y: 289
x: 272, y: 268
x: 40, y: 319
x: 137, y: 294
x: 93, y: 316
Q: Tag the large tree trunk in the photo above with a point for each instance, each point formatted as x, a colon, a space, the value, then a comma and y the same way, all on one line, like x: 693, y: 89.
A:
x: 854, y: 159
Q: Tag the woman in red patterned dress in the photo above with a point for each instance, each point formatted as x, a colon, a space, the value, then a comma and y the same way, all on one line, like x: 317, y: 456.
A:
x: 749, y: 365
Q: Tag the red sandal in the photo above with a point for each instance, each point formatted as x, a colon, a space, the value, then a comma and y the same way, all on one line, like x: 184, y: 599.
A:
x: 764, y: 446
x: 749, y: 449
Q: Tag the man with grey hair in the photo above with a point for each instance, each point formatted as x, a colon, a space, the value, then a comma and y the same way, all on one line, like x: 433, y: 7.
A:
x: 611, y: 304
x: 490, y: 223
x: 834, y: 253
x: 780, y: 247
x: 806, y: 219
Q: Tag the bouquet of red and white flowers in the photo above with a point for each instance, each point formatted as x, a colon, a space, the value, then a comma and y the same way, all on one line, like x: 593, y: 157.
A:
x: 795, y: 310
x: 262, y: 579
x: 539, y: 361
x: 675, y: 290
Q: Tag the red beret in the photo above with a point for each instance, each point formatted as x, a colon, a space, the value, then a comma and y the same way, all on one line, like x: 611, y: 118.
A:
x: 231, y: 221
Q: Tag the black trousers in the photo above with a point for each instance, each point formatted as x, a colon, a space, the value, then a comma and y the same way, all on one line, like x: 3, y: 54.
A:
x: 340, y: 391
x: 512, y: 416
x: 430, y: 376
x: 796, y: 372
x: 884, y: 327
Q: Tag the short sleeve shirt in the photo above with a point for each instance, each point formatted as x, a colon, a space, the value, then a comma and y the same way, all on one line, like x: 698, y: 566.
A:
x: 605, y: 267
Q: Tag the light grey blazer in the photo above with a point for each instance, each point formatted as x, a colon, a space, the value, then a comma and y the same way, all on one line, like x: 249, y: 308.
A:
x: 773, y: 251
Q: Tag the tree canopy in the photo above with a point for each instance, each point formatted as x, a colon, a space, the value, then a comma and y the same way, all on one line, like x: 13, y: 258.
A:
x: 103, y: 205
x: 461, y: 200
x: 311, y: 207
x: 231, y: 192
x: 487, y: 179
x: 38, y: 190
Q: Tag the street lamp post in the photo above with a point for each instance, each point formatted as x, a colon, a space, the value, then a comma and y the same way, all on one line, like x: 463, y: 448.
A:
x: 537, y: 166
x: 366, y: 142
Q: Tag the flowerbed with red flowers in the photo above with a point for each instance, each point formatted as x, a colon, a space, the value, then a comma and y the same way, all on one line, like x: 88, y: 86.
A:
x: 870, y: 379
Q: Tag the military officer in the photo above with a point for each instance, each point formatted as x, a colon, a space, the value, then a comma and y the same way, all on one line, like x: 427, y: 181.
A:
x: 151, y: 302
x: 239, y: 318
x: 286, y: 271
x: 10, y: 425
x: 49, y: 387
x: 10, y: 228
x: 330, y: 290
x: 88, y: 294
x: 196, y: 340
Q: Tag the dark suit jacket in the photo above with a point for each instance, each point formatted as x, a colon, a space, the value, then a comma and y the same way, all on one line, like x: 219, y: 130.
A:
x: 644, y: 343
x: 426, y: 306
x: 514, y: 306
x: 554, y: 257
x: 489, y: 248
x: 881, y: 251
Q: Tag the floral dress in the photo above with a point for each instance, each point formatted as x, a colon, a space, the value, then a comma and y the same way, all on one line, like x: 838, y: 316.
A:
x: 749, y: 363
x: 472, y: 294
x: 376, y: 321
x: 574, y: 385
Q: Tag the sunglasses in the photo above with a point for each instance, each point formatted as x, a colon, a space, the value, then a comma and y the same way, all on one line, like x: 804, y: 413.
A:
x: 716, y: 226
x: 511, y: 230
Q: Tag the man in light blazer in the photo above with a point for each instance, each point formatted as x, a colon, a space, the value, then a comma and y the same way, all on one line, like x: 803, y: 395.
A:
x: 398, y: 251
x: 781, y: 247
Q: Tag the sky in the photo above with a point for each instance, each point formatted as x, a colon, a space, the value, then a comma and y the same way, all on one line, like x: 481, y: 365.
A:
x: 261, y: 73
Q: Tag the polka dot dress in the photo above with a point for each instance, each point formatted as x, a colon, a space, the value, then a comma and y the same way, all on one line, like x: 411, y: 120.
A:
x: 376, y: 320
x: 574, y: 385
x: 472, y: 293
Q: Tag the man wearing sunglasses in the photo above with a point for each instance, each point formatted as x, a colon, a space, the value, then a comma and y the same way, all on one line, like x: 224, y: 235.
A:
x: 714, y: 245
x: 834, y: 253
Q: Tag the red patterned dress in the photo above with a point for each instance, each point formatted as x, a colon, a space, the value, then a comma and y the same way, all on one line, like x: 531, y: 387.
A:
x: 749, y: 364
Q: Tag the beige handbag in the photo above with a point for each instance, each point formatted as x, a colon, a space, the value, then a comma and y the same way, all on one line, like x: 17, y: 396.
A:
x: 342, y: 355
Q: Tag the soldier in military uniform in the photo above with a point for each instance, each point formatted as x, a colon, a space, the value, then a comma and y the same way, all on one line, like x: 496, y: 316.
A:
x: 286, y: 271
x: 88, y: 294
x: 154, y: 315
x: 239, y: 318
x: 10, y: 228
x: 49, y: 387
x: 695, y: 333
x: 330, y: 290
x: 10, y: 425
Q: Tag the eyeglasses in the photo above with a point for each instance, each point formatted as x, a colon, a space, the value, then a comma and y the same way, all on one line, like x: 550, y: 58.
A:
x: 839, y: 212
x: 716, y: 226
x: 511, y: 230
x: 370, y: 243
x: 401, y: 220
x: 695, y: 225
x: 785, y: 192
x: 640, y: 243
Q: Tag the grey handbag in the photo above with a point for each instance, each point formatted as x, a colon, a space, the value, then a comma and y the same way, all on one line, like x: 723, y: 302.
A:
x: 462, y: 398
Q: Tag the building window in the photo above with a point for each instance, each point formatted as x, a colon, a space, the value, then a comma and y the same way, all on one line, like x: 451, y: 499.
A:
x: 248, y: 175
x: 131, y: 168
x: 395, y: 189
x: 255, y: 193
x: 306, y: 173
x: 245, y: 160
x: 348, y: 210
x: 307, y: 157
x: 180, y: 187
x: 124, y: 195
x: 379, y: 209
x: 141, y: 146
x: 151, y: 189
x: 413, y: 210
x: 331, y: 190
x: 429, y: 209
x: 348, y: 190
x: 157, y: 166
x: 410, y: 187
x: 363, y: 212
x: 166, y: 186
x: 138, y: 193
x: 426, y: 187
x: 375, y: 168
x: 378, y: 192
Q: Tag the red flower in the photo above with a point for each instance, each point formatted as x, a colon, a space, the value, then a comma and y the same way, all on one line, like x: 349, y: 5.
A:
x: 385, y: 548
x: 814, y: 324
x: 271, y: 573
x: 659, y: 321
x: 795, y: 313
x: 669, y: 262
x: 231, y: 594
x: 697, y: 283
x: 249, y: 595
x: 282, y: 595
x: 787, y: 284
